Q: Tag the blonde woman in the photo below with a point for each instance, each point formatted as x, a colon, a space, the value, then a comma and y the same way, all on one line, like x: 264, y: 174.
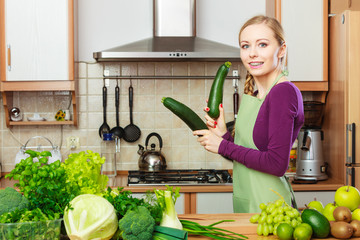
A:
x: 269, y: 119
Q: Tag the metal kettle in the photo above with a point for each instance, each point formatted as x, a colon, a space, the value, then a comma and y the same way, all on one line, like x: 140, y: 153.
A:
x: 151, y: 159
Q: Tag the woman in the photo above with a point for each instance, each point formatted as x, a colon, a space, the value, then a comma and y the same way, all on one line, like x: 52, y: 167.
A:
x: 269, y: 119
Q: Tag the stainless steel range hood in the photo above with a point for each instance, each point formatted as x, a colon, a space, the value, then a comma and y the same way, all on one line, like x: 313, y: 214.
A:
x: 174, y: 39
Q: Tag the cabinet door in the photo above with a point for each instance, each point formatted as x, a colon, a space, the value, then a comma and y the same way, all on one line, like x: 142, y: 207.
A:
x: 305, y: 26
x: 350, y: 24
x: 303, y: 198
x: 37, y: 38
x: 214, y: 203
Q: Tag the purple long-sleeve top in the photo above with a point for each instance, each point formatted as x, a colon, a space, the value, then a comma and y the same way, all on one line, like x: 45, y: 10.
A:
x: 278, y: 123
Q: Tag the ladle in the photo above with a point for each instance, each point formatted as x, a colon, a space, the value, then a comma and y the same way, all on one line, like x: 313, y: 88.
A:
x: 104, y: 128
x: 132, y: 132
x: 117, y: 130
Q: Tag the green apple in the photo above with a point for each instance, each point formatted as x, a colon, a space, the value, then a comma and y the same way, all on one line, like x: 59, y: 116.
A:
x: 347, y: 196
x: 356, y: 214
x: 317, y: 205
x: 329, y: 210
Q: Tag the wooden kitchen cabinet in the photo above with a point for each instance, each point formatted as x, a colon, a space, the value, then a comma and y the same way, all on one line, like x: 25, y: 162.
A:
x: 214, y: 203
x: 37, y: 51
x: 306, y: 31
x: 341, y: 142
x: 37, y: 41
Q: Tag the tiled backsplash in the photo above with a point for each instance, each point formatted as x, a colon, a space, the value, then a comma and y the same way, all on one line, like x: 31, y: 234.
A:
x: 179, y: 145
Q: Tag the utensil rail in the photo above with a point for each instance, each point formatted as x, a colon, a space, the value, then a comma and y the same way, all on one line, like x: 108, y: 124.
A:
x: 114, y: 77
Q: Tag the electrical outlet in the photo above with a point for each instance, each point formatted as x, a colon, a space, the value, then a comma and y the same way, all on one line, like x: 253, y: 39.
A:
x: 72, y: 142
x: 235, y: 80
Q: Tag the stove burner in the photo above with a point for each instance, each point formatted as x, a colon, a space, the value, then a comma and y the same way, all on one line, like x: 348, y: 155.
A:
x: 179, y: 177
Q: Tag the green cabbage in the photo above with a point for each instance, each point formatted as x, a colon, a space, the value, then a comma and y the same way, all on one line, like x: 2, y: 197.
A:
x: 90, y: 217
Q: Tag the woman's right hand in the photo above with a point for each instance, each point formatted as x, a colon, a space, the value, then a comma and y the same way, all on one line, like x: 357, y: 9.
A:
x: 218, y: 125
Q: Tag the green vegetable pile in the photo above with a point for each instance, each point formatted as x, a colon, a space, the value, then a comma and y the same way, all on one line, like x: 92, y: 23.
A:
x: 74, y: 192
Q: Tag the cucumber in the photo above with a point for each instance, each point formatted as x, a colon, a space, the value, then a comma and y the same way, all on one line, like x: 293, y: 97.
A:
x: 184, y: 113
x: 216, y: 92
x: 318, y: 222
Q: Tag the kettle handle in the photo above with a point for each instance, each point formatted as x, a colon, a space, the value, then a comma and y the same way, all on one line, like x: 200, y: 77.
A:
x: 153, y: 134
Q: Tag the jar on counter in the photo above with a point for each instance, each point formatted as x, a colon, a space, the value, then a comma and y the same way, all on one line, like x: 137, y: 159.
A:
x: 108, y: 150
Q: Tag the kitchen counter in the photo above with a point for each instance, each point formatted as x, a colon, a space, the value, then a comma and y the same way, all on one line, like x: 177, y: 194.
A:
x: 241, y: 224
x: 121, y: 181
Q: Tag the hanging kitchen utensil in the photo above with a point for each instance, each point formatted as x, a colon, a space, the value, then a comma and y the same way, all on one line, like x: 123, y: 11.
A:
x: 132, y: 132
x: 104, y: 128
x: 55, y: 152
x: 230, y: 125
x: 117, y: 130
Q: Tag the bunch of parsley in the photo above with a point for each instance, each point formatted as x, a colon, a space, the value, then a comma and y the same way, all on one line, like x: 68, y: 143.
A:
x: 43, y: 184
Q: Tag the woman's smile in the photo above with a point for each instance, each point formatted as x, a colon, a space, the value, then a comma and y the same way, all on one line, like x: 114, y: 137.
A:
x: 255, y: 65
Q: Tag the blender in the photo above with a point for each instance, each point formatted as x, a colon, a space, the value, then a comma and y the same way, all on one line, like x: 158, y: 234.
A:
x: 310, y: 163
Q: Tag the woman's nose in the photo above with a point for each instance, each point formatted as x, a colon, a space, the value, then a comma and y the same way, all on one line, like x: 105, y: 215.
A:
x: 252, y: 52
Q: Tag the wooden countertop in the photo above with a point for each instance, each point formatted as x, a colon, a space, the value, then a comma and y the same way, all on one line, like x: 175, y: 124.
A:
x: 241, y: 224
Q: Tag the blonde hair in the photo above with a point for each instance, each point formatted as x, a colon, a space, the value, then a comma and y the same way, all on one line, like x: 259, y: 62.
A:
x: 276, y: 27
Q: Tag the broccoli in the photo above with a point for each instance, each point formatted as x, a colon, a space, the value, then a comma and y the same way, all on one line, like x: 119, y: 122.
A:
x: 137, y: 224
x: 10, y: 199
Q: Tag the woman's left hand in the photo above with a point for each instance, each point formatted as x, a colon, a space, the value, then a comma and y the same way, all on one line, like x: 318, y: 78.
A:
x: 209, y: 140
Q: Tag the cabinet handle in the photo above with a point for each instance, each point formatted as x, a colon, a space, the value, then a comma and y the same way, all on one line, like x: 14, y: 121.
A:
x: 350, y: 159
x: 9, y: 57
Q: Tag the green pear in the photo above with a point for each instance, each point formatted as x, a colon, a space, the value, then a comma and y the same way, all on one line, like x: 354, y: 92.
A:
x: 317, y: 205
x: 329, y: 210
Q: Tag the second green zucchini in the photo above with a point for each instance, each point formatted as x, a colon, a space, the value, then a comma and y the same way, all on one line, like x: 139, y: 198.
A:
x: 184, y: 113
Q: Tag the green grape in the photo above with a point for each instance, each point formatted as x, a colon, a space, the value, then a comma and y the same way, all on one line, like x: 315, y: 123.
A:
x: 254, y: 218
x: 275, y: 229
x: 269, y: 219
x: 287, y: 218
x: 279, y: 202
x: 274, y: 212
x: 287, y: 208
x: 265, y: 229
x: 271, y: 228
x: 262, y: 218
x: 280, y: 210
x: 270, y: 208
x: 262, y: 206
x: 263, y: 213
x: 259, y: 229
x: 290, y: 214
x: 280, y: 218
x: 294, y: 223
x: 296, y: 213
x: 299, y: 219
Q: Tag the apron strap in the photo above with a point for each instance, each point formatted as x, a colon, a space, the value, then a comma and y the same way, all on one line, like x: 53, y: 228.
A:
x: 293, y: 200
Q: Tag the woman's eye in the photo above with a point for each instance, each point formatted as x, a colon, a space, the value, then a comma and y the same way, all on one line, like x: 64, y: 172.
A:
x: 262, y: 45
x: 245, y: 46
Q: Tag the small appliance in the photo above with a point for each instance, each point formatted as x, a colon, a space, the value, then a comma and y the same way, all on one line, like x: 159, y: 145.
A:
x: 310, y: 163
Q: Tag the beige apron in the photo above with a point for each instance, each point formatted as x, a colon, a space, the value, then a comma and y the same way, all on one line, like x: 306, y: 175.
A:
x: 251, y: 187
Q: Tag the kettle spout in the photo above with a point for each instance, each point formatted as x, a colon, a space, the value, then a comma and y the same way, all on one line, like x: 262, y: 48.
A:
x: 141, y: 150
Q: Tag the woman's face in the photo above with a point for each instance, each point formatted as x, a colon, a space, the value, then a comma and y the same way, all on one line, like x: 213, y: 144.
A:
x: 259, y: 50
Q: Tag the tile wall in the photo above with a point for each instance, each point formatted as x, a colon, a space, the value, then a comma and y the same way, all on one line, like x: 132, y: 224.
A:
x: 179, y: 146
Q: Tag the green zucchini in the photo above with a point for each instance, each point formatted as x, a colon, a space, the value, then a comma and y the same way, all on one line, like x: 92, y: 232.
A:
x: 216, y: 92
x: 184, y: 113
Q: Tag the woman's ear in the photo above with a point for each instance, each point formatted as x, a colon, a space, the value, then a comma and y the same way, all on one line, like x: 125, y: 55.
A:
x: 282, y: 51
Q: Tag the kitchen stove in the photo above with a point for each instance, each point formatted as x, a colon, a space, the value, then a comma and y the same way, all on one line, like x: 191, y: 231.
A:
x: 180, y: 177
